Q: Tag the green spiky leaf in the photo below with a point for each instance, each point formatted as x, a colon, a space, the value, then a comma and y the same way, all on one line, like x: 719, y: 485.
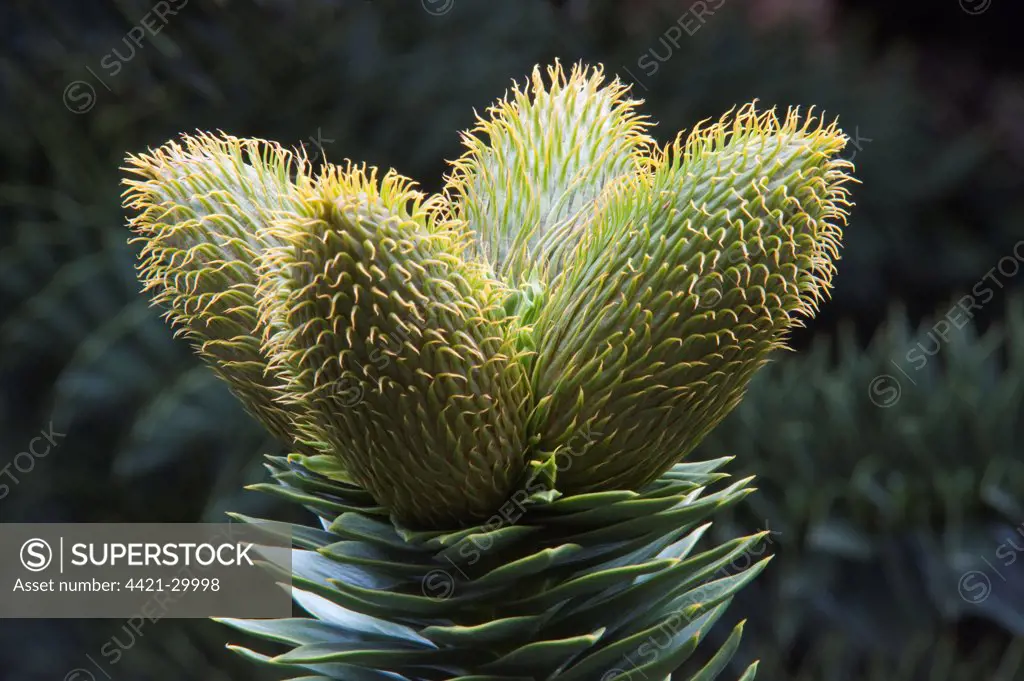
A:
x: 533, y: 169
x: 203, y: 208
x: 396, y: 350
x: 492, y: 388
x: 689, y: 277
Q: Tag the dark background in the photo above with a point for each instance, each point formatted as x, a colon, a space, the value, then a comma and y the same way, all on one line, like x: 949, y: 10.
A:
x: 894, y: 486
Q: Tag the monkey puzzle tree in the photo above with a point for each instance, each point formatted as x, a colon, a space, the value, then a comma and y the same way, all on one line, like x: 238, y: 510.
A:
x: 490, y: 391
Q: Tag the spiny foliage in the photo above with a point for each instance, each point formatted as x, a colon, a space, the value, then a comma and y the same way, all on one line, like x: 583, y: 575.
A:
x: 470, y: 346
x: 551, y: 149
x: 415, y: 337
x: 204, y: 208
x: 689, y: 276
x: 66, y: 300
x: 395, y: 348
x: 487, y: 342
x: 605, y: 586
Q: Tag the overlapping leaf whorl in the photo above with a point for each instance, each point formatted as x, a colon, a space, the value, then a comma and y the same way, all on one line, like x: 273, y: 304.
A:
x: 611, y: 586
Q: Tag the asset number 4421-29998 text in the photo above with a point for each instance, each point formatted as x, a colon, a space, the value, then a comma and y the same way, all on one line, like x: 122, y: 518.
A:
x: 173, y: 584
